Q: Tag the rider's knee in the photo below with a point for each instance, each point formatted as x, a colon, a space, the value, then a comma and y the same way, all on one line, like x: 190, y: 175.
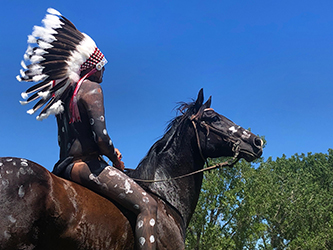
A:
x: 150, y: 204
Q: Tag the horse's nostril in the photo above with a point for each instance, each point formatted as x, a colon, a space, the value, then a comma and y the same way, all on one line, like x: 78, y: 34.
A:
x: 258, y: 142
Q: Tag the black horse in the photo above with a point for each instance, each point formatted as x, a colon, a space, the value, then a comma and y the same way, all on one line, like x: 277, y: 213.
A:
x: 42, y: 211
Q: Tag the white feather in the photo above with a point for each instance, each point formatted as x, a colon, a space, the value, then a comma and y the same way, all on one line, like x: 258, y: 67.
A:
x: 38, y: 78
x: 22, y: 73
x: 18, y: 78
x: 30, y: 111
x: 23, y: 65
x: 40, y: 52
x: 53, y: 12
x: 44, y: 45
x: 44, y: 94
x: 23, y: 102
x: 52, y: 22
x: 36, y: 59
x: 36, y: 69
x: 83, y: 51
x: 31, y: 39
x: 24, y: 95
x: 55, y: 109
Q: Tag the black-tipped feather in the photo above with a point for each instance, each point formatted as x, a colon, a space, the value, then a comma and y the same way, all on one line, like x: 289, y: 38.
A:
x: 41, y: 102
x: 38, y: 86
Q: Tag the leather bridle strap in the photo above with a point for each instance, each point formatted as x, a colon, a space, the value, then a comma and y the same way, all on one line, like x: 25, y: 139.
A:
x: 226, y: 163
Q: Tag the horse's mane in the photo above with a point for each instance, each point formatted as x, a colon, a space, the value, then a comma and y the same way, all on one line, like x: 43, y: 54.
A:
x: 149, y: 163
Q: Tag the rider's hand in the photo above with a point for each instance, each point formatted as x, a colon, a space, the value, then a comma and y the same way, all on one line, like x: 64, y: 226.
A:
x: 119, y: 155
x: 120, y: 165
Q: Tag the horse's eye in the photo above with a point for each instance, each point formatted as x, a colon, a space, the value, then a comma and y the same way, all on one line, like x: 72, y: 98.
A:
x: 215, y: 119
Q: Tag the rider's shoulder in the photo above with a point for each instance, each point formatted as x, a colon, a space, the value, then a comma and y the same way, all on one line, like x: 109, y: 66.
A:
x: 90, y: 88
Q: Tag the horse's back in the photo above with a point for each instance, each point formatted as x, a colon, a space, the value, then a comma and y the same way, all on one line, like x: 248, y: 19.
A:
x: 42, y: 211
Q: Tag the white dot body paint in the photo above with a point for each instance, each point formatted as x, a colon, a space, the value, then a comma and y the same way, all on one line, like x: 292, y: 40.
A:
x: 233, y: 129
x: 145, y: 199
x: 128, y: 187
x: 152, y: 239
x: 140, y: 223
x: 101, y: 118
x: 136, y: 206
x: 142, y: 241
x: 105, y: 132
x: 24, y: 164
x: 152, y: 222
x: 92, y: 121
x: 246, y: 134
x: 21, y: 191
x: 11, y: 219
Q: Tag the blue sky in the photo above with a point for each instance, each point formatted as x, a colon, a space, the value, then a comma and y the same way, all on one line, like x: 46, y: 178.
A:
x: 267, y: 64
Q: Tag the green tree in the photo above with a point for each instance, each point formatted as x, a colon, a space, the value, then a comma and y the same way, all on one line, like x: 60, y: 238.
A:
x: 281, y: 204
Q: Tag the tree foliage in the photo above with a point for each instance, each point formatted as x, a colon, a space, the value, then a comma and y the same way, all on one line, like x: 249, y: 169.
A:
x: 281, y: 204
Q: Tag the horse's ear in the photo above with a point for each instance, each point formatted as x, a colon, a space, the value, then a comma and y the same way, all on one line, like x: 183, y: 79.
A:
x: 199, y: 101
x: 208, y: 103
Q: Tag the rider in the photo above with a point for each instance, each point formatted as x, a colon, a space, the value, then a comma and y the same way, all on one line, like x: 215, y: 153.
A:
x: 69, y: 68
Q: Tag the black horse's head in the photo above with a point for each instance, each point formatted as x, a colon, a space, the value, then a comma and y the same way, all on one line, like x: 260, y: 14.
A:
x: 218, y: 136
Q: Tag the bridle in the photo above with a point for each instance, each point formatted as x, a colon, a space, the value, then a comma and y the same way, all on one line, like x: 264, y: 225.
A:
x: 235, y: 148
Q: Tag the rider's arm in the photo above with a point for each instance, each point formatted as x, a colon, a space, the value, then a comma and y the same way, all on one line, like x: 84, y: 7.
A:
x: 94, y: 103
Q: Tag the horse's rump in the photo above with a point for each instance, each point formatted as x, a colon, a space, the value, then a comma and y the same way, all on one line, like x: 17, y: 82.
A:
x: 42, y: 211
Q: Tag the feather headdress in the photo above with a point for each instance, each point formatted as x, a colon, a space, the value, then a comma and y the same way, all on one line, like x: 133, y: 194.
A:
x: 60, y: 54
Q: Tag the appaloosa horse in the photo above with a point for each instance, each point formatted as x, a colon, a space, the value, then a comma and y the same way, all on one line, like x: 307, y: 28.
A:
x: 44, y: 212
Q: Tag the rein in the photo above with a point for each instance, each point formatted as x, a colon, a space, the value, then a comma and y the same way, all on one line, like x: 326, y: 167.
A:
x: 235, y: 158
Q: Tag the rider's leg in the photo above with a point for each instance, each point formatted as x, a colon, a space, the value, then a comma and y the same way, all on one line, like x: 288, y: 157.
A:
x: 116, y: 185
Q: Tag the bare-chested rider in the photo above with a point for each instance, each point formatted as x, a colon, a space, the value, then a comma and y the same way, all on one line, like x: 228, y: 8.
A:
x: 69, y: 68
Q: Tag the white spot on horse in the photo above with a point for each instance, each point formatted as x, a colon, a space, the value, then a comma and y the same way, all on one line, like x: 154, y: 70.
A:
x: 22, y: 171
x: 128, y: 187
x: 21, y: 191
x: 92, y: 121
x: 121, y: 196
x: 5, y: 183
x: 11, y: 219
x: 101, y: 118
x: 6, y: 234
x: 136, y: 206
x: 112, y: 171
x: 145, y: 199
x: 14, y: 163
x: 105, y: 132
x: 246, y: 135
x: 10, y: 159
x: 9, y: 171
x: 24, y: 163
x: 152, y: 239
x: 115, y: 186
x: 140, y: 223
x: 233, y: 129
x: 142, y: 241
x: 110, y: 142
x: 30, y: 171
x: 144, y: 193
x: 63, y: 129
x: 1, y: 164
x: 152, y: 222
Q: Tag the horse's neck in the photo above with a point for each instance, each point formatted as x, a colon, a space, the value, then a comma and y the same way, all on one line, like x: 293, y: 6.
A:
x: 182, y: 157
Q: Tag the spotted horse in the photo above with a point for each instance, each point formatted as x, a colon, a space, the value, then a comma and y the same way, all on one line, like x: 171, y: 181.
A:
x: 42, y: 211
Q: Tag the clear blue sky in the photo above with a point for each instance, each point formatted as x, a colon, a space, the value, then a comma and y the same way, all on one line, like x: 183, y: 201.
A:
x: 267, y: 64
